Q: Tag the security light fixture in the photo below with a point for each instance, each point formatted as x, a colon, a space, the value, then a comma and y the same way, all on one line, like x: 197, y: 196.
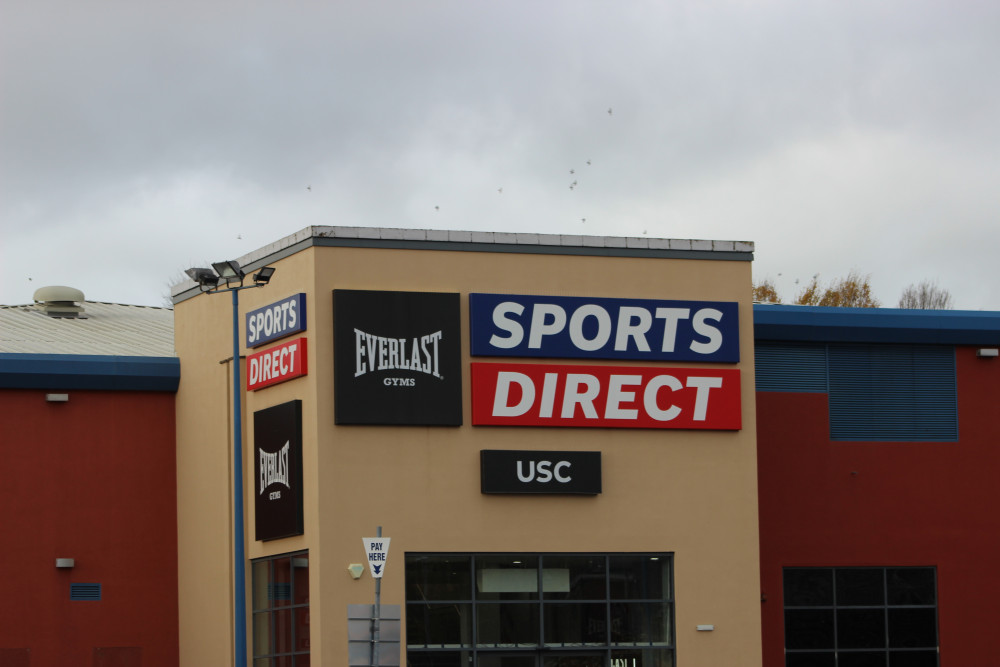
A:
x: 263, y: 276
x: 65, y: 563
x: 229, y: 271
x: 205, y: 278
x: 356, y: 570
x: 988, y: 352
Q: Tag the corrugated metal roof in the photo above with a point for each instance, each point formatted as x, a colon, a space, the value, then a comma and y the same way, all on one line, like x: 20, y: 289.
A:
x: 105, y: 329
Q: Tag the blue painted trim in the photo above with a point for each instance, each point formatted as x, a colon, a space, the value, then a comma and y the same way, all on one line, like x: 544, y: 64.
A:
x: 78, y: 371
x: 876, y: 325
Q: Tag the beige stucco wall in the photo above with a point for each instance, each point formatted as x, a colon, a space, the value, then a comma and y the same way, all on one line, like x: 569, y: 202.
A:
x: 686, y: 492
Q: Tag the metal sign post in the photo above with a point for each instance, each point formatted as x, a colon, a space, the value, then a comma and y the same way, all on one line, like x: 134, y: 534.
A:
x: 377, y: 551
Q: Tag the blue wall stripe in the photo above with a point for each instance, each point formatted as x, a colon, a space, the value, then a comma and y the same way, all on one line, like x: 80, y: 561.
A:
x: 875, y: 325
x: 71, y: 371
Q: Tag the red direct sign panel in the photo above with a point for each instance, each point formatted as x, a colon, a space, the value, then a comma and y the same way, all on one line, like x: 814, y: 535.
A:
x: 276, y: 364
x: 605, y: 396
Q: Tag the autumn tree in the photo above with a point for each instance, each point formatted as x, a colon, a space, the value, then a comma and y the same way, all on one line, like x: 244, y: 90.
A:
x: 926, y: 295
x: 765, y: 292
x: 852, y: 291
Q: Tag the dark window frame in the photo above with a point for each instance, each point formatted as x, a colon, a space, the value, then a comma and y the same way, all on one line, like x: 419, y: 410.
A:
x: 473, y: 602
x: 881, y: 601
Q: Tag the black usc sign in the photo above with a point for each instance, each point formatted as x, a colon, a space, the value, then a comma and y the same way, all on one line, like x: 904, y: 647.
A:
x: 513, y: 471
x: 397, y: 358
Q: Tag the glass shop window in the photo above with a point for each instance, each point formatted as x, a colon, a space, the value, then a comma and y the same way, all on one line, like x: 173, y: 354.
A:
x: 281, y: 610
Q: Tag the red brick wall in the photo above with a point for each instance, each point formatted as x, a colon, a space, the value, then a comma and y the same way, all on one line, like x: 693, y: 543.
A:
x: 92, y: 479
x: 826, y: 503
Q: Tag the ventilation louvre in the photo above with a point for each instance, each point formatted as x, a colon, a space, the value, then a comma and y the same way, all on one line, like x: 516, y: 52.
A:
x: 85, y: 592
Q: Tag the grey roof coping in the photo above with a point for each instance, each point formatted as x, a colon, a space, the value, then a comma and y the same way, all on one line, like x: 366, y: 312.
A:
x: 478, y: 241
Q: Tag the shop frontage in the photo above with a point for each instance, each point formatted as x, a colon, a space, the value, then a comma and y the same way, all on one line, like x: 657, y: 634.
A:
x: 557, y: 434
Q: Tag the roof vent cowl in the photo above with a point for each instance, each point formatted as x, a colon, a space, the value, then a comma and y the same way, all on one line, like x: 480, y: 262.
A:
x: 59, y: 301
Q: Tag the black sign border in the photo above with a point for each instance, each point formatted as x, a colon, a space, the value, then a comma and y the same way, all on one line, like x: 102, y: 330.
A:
x: 354, y: 406
x: 490, y: 487
x: 292, y: 523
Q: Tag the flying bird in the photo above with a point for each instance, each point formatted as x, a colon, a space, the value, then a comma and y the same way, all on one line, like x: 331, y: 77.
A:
x: 309, y: 188
x: 588, y: 162
x: 609, y: 111
x: 500, y: 190
x: 572, y: 171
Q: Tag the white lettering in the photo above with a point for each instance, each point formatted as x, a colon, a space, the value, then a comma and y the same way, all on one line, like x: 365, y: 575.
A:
x: 543, y: 472
x: 254, y: 370
x: 378, y: 353
x: 504, y: 380
x: 503, y: 323
x: 637, y: 332
x: 703, y: 386
x: 670, y: 317
x: 540, y: 327
x: 573, y: 397
x: 710, y: 332
x: 616, y: 396
x: 274, y: 468
x: 649, y: 397
x: 603, y: 327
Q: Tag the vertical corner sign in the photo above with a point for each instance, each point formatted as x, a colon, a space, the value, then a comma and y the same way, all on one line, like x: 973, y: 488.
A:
x: 277, y: 467
x: 376, y: 551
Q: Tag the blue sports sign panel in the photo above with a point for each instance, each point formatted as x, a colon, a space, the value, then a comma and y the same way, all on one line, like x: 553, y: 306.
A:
x: 569, y: 327
x: 276, y: 320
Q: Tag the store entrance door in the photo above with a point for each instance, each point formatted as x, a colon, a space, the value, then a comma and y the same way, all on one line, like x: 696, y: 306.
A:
x: 576, y: 660
x: 546, y: 659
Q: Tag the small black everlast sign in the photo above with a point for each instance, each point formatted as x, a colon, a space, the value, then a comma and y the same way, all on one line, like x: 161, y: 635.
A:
x: 397, y: 358
x: 277, y: 466
x: 513, y: 471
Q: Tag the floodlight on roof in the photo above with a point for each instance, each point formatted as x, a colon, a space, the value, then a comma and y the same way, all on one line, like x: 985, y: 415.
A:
x: 206, y: 278
x: 229, y: 271
x: 263, y: 276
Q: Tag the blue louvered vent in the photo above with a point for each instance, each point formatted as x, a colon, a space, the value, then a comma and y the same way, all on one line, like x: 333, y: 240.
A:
x: 85, y: 592
x: 790, y: 367
x: 893, y: 392
x: 279, y: 591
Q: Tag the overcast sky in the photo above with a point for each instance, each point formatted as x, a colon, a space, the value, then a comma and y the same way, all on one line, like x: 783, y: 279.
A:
x: 138, y: 139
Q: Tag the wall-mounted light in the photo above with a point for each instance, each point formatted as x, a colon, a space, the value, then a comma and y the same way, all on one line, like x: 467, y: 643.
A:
x: 65, y: 563
x: 263, y: 276
x: 705, y: 628
x: 356, y: 570
x: 230, y: 270
x: 206, y: 278
x: 57, y: 398
x: 988, y: 352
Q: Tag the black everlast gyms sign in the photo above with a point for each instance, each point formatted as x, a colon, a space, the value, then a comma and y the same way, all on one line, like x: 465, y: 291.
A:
x: 397, y: 358
x: 277, y: 466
